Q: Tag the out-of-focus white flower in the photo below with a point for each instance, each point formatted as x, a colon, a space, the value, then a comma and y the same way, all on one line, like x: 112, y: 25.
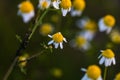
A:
x: 106, y: 23
x: 26, y: 10
x: 93, y: 72
x: 78, y: 7
x: 65, y: 6
x: 108, y: 57
x: 57, y: 40
x: 44, y: 4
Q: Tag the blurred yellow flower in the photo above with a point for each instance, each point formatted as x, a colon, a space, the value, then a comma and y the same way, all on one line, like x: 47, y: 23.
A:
x: 56, y: 72
x: 117, y: 77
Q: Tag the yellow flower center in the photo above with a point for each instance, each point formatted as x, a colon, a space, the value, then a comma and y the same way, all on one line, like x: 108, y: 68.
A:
x: 44, y: 4
x: 79, y: 4
x: 116, y: 38
x: 66, y: 4
x: 80, y: 41
x: 26, y: 7
x: 109, y: 20
x: 93, y: 72
x: 117, y: 76
x: 90, y: 25
x: 46, y: 29
x: 108, y: 53
x: 57, y: 72
x: 58, y: 37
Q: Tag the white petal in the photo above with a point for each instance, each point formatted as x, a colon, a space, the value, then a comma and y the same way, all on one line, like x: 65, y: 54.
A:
x: 85, y: 77
x: 56, y: 45
x: 56, y: 4
x: 102, y: 26
x: 83, y: 69
x: 27, y: 16
x: 99, y: 56
x: 113, y: 60
x: 75, y: 13
x: 102, y: 60
x: 50, y: 36
x: 100, y: 78
x: 107, y: 62
x: 109, y: 30
x: 50, y: 42
x: 64, y: 39
x: 61, y: 45
x: 64, y: 12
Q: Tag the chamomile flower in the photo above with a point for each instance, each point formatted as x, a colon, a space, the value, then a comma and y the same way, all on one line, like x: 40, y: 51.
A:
x: 44, y: 4
x: 106, y: 23
x: 78, y: 7
x: 46, y: 29
x: 107, y: 57
x: 65, y: 6
x: 55, y: 3
x: 80, y: 42
x: 93, y: 72
x: 26, y: 10
x: 57, y: 40
x: 117, y: 77
x: 115, y: 36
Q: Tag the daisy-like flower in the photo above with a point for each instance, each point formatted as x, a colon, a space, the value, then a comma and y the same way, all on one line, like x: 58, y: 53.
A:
x: 80, y: 42
x: 78, y: 7
x: 93, y: 72
x: 115, y: 36
x: 108, y: 57
x: 55, y: 3
x: 26, y: 10
x: 44, y: 4
x: 46, y: 29
x: 117, y: 77
x: 57, y: 40
x: 106, y: 23
x: 65, y: 6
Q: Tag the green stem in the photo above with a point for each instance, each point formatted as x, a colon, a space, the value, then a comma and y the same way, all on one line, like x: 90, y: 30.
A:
x: 37, y: 24
x: 105, y: 73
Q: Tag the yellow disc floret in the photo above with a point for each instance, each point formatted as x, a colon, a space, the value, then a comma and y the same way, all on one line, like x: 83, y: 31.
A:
x: 93, y: 72
x: 80, y: 41
x: 44, y: 4
x: 108, y: 53
x: 109, y: 20
x: 117, y: 76
x: 58, y: 37
x: 66, y: 4
x: 26, y: 7
x: 46, y: 29
x: 79, y: 4
x: 91, y: 25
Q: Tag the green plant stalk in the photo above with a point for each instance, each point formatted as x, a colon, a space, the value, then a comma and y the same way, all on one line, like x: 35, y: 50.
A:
x: 105, y: 73
x: 10, y: 69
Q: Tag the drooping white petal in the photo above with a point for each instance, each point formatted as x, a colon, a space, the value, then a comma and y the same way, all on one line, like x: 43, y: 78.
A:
x: 64, y: 39
x: 83, y: 69
x: 113, y: 60
x: 61, y: 45
x: 27, y: 16
x: 50, y: 42
x: 107, y: 62
x: 56, y: 45
x: 102, y: 26
x: 64, y: 12
x: 108, y: 30
x: 85, y: 77
x: 99, y: 56
x: 102, y: 60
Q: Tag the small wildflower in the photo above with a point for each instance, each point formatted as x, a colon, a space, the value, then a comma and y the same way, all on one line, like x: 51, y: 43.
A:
x: 26, y: 10
x: 44, y: 4
x: 56, y: 72
x: 80, y: 42
x: 117, y: 77
x: 78, y: 7
x: 57, y: 40
x: 65, y: 6
x: 46, y: 29
x: 115, y: 36
x: 22, y: 60
x: 93, y: 72
x: 106, y: 23
x: 108, y: 57
x: 55, y: 3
